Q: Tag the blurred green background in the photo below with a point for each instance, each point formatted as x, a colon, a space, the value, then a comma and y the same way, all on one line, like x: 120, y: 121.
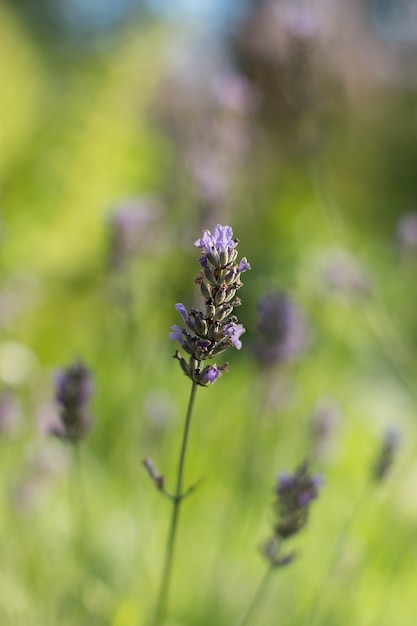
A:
x: 124, y: 133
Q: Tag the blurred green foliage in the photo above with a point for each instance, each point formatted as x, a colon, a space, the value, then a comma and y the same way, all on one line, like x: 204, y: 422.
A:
x: 83, y: 538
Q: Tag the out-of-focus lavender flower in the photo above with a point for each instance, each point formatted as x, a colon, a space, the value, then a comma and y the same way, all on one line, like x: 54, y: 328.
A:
x: 10, y: 414
x: 386, y: 454
x: 133, y: 225
x: 294, y: 495
x: 158, y: 408
x: 73, y: 390
x: 215, y: 136
x: 342, y: 274
x: 235, y: 93
x: 324, y: 420
x: 209, y: 333
x: 282, y: 331
x: 295, y: 492
x: 39, y: 467
x: 407, y: 234
x: 273, y: 45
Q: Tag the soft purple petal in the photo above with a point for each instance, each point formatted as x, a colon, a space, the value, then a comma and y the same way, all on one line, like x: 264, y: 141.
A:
x: 182, y: 311
x: 223, y: 236
x: 206, y: 242
x: 234, y: 331
x: 221, y: 239
x: 176, y: 334
x: 244, y: 265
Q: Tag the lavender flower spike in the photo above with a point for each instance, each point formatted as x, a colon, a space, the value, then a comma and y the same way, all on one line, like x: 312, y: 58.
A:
x: 73, y: 390
x: 211, y: 331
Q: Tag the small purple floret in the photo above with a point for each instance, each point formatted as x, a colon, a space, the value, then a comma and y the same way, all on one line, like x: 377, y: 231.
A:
x: 182, y: 311
x: 244, y: 265
x: 211, y: 374
x: 305, y: 497
x: 176, y: 334
x: 285, y: 481
x: 234, y: 331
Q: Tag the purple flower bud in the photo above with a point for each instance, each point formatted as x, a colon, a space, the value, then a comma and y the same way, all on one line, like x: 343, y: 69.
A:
x: 182, y: 311
x: 244, y: 265
x: 157, y: 478
x: 211, y: 374
x: 282, y: 331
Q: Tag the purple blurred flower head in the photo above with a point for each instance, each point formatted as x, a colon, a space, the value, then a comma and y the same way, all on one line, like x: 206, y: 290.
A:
x: 285, y: 481
x: 344, y: 275
x: 235, y: 93
x: 294, y: 495
x: 73, y: 390
x: 407, y: 233
x: 133, y: 225
x: 282, y: 331
x: 73, y: 386
x: 295, y: 492
x: 387, y: 453
x: 10, y: 414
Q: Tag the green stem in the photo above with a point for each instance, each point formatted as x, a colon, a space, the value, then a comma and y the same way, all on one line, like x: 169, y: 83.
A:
x: 337, y: 553
x: 177, y: 499
x: 259, y: 594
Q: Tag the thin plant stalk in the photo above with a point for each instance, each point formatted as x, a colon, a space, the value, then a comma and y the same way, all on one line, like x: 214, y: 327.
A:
x: 177, y: 498
x: 337, y: 552
x: 258, y: 596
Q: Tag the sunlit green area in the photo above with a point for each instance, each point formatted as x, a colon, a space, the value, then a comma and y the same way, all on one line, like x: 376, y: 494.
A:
x: 314, y: 172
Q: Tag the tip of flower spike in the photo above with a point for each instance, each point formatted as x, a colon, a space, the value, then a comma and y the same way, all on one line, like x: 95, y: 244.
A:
x: 221, y: 239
